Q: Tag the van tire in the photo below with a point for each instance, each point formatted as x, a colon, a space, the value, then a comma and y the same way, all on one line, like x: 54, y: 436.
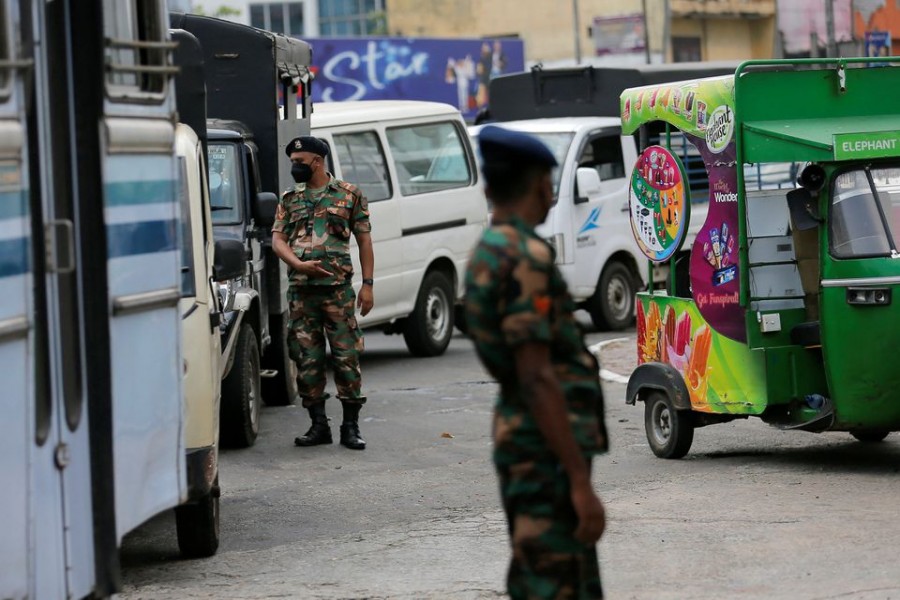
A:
x: 241, y: 393
x: 280, y: 390
x: 197, y: 525
x: 459, y: 319
x: 428, y: 329
x: 612, y: 305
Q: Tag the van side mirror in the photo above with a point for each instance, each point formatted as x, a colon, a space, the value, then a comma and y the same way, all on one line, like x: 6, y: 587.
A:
x: 587, y: 184
x: 230, y: 261
x: 264, y: 207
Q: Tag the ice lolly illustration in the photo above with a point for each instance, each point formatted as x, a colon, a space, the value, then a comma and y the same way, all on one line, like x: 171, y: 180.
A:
x: 716, y: 247
x: 697, y: 376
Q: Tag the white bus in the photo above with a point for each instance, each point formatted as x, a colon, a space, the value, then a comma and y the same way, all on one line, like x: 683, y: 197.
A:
x: 91, y: 439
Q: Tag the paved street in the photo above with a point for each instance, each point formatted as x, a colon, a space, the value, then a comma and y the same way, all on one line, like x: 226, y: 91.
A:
x: 751, y: 512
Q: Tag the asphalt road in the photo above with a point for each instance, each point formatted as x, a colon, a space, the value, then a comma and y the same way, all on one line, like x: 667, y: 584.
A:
x: 751, y: 512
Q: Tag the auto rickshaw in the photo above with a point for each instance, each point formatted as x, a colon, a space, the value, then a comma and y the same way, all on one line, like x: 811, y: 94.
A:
x: 782, y: 307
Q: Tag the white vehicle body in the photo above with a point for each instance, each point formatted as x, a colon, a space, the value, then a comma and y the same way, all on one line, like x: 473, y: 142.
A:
x: 415, y: 164
x: 589, y: 225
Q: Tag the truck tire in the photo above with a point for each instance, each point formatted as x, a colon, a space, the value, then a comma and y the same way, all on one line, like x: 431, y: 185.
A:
x: 612, y: 305
x: 197, y: 525
x: 280, y: 390
x: 427, y: 331
x: 241, y: 393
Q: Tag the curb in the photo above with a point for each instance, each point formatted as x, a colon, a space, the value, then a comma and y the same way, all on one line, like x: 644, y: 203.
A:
x: 605, y: 374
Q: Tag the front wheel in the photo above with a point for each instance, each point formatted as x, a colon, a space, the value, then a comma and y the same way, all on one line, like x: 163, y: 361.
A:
x: 612, y: 305
x: 241, y: 393
x: 870, y: 436
x: 427, y: 331
x: 197, y: 525
x: 670, y: 432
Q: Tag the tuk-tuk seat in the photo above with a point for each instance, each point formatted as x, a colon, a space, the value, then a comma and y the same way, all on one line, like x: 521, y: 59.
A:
x: 807, y: 335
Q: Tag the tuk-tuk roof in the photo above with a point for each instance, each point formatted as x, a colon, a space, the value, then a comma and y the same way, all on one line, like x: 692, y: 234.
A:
x: 784, y: 111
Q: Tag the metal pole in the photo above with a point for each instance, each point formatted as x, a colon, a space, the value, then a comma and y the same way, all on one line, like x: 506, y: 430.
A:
x: 646, y: 34
x: 577, y: 26
x: 830, y: 44
x: 667, y: 27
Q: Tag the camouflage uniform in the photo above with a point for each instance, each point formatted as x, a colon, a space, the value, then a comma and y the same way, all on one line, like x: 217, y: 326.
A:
x: 318, y: 227
x: 515, y: 294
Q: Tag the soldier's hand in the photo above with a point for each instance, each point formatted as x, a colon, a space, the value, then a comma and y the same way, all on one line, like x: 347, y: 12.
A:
x: 365, y: 301
x: 313, y: 268
x: 591, y: 514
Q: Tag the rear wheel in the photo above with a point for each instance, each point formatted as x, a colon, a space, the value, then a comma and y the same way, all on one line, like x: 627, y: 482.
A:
x: 197, y: 525
x: 280, y: 390
x: 870, y: 436
x: 612, y: 305
x: 427, y: 331
x: 241, y: 393
x: 670, y: 432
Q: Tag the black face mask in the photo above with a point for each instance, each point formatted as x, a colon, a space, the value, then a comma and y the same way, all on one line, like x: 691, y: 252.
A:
x: 301, y: 172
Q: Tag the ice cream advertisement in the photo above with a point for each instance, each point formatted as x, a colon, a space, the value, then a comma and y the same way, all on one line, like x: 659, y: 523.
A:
x: 703, y: 110
x: 659, y: 203
x: 721, y: 375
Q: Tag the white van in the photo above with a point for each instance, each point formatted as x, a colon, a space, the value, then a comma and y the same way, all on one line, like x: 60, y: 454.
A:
x: 414, y: 163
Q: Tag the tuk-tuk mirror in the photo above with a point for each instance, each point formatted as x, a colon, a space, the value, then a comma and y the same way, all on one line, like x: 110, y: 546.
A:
x: 802, y: 205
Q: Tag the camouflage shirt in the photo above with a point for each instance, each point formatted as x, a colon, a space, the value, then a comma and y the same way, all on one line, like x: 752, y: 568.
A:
x: 318, y: 228
x: 515, y: 294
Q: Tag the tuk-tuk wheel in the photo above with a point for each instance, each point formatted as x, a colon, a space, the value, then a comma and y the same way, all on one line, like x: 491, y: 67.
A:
x: 870, y: 436
x: 670, y: 432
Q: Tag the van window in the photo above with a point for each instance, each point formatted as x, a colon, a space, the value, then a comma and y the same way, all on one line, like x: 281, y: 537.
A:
x: 137, y: 52
x: 363, y: 164
x: 225, y: 185
x: 429, y: 158
x: 604, y: 155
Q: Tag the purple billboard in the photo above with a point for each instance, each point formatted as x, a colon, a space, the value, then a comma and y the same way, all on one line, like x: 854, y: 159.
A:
x: 453, y: 71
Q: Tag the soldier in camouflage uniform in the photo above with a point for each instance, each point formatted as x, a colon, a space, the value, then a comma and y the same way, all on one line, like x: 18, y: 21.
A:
x: 548, y: 419
x: 311, y: 234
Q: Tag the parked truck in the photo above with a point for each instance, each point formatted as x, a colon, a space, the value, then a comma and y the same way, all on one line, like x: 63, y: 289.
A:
x: 258, y: 99
x: 576, y: 113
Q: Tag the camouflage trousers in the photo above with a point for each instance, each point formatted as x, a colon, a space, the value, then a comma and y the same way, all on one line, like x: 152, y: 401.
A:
x: 547, y: 561
x: 317, y: 313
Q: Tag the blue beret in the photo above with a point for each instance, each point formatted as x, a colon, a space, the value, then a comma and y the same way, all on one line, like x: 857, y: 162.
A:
x: 505, y: 145
x: 307, y: 143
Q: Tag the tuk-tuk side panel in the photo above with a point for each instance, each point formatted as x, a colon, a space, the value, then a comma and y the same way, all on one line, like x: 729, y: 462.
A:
x: 864, y: 381
x: 704, y: 111
x: 792, y: 373
x: 722, y: 376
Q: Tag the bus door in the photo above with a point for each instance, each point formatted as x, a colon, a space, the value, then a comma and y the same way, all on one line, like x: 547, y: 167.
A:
x: 16, y: 401
x: 60, y: 491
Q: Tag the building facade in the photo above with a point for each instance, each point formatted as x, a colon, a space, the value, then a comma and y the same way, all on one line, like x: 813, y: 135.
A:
x: 297, y: 18
x: 555, y: 33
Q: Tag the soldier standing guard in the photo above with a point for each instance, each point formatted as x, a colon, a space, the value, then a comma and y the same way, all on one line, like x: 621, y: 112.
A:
x: 548, y: 419
x: 312, y: 235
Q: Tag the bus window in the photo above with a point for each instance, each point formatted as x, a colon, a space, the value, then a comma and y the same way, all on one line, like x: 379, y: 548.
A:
x: 136, y: 50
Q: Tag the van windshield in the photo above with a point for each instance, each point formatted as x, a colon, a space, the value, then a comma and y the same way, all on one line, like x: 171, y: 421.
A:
x: 558, y: 143
x: 865, y: 212
x: 224, y: 183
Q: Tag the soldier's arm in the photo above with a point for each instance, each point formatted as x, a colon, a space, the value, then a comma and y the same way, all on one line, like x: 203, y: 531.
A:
x: 548, y: 406
x: 526, y: 326
x: 366, y: 299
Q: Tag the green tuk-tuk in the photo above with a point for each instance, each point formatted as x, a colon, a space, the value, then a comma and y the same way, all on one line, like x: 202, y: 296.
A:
x: 782, y: 308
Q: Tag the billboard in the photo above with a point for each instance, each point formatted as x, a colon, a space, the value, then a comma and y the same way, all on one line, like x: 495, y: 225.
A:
x: 618, y: 35
x: 453, y: 71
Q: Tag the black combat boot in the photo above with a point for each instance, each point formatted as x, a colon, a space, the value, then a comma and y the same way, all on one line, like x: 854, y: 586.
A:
x: 320, y: 432
x: 350, y: 427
